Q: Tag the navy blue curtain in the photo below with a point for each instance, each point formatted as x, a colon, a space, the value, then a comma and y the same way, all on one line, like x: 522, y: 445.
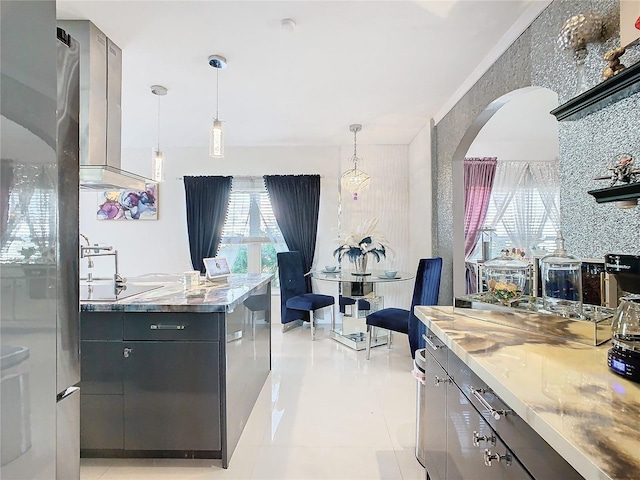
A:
x: 295, y: 200
x: 207, y: 200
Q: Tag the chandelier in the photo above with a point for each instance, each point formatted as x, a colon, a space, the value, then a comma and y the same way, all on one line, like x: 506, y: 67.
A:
x: 355, y: 181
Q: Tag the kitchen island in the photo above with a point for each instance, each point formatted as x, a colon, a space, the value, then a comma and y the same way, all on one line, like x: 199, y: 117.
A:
x: 561, y: 389
x: 173, y: 371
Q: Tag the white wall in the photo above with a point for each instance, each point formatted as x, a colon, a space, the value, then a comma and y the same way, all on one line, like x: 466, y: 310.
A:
x: 387, y: 200
x: 162, y: 246
x: 420, y: 197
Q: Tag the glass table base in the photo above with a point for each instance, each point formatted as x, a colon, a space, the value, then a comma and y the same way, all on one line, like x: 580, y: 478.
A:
x: 358, y: 340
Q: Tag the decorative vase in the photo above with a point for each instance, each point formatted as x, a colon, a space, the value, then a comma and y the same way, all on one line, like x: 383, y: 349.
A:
x: 360, y: 264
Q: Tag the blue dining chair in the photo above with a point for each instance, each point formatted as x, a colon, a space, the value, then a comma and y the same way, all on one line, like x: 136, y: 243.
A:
x: 295, y: 302
x: 425, y: 292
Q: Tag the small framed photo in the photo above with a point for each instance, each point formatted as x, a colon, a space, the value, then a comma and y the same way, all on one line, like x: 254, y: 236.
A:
x: 217, y: 268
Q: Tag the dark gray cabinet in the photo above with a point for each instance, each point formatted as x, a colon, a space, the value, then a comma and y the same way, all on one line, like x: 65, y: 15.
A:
x: 172, y: 396
x: 435, y: 426
x: 150, y: 382
x: 459, y: 444
x: 471, y: 434
x: 101, y: 386
x: 172, y: 384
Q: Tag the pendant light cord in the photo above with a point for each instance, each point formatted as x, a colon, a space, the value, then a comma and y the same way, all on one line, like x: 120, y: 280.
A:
x: 158, y: 122
x: 217, y: 83
x: 355, y: 154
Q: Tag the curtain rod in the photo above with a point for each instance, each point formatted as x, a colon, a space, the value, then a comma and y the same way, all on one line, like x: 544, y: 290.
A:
x: 250, y: 177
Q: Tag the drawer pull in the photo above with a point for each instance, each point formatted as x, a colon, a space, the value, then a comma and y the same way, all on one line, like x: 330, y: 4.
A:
x: 161, y: 326
x: 489, y: 457
x: 438, y: 380
x: 478, y: 392
x: 427, y: 338
x: 477, y: 438
x: 127, y: 352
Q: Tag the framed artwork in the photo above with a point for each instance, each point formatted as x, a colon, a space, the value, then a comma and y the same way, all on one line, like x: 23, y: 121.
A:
x: 129, y: 204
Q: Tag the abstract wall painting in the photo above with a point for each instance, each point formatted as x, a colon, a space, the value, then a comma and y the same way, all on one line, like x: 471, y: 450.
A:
x: 129, y: 204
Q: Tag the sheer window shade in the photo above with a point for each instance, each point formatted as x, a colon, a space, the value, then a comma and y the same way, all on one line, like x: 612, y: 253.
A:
x: 524, y: 206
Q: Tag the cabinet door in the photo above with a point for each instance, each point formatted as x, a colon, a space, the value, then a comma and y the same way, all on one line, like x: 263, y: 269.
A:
x: 434, y: 406
x: 172, y: 396
x: 486, y: 457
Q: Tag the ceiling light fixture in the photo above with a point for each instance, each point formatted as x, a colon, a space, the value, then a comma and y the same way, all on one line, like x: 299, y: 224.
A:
x: 354, y: 180
x: 157, y: 160
x: 288, y: 24
x: 216, y: 141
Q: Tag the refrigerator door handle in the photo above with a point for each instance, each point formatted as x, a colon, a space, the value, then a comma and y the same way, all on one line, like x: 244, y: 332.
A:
x: 66, y: 393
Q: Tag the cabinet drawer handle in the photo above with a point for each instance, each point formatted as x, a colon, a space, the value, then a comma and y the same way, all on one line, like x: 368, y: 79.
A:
x: 427, y: 338
x: 127, y: 352
x: 438, y: 380
x: 478, y: 392
x: 477, y: 438
x: 161, y: 326
x: 489, y: 457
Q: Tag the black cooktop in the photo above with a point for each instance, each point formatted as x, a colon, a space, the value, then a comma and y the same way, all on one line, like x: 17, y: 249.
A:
x: 109, y: 292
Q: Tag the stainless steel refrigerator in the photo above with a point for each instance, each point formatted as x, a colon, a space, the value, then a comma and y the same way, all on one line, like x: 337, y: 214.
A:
x: 39, y: 329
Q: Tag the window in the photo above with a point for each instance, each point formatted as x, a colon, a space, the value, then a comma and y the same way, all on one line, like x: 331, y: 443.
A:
x: 251, y: 237
x: 523, y: 208
x: 31, y: 220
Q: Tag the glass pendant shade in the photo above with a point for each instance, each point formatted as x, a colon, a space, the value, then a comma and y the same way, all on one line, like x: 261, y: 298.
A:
x: 157, y: 165
x: 216, y: 140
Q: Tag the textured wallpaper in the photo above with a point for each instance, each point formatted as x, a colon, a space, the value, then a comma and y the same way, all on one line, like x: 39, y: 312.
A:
x: 587, y: 145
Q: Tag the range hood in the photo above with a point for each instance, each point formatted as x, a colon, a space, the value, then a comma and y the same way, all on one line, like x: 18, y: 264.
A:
x: 100, y: 110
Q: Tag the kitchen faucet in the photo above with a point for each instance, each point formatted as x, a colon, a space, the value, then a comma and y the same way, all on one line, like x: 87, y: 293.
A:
x: 101, y: 251
x: 89, y: 260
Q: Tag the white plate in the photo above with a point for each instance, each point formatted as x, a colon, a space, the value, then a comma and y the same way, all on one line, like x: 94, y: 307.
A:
x: 389, y: 278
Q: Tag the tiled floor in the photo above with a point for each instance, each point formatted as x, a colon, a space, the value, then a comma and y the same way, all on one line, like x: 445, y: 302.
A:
x: 325, y: 412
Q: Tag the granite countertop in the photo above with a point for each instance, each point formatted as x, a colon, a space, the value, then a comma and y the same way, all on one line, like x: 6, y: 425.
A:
x: 563, y: 389
x: 170, y: 295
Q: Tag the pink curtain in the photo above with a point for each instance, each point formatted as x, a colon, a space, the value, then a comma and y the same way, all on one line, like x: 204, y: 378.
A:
x: 478, y: 183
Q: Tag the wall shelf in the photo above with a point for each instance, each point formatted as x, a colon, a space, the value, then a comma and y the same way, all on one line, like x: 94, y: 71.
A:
x: 629, y: 191
x: 610, y: 91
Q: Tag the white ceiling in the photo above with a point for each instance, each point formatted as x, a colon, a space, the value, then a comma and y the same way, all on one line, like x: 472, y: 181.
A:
x: 389, y: 65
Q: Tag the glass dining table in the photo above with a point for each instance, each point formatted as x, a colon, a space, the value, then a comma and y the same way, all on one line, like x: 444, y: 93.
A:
x: 358, y: 296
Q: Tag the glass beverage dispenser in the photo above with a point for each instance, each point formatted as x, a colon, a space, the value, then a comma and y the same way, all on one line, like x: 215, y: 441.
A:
x: 506, y: 278
x: 562, y: 282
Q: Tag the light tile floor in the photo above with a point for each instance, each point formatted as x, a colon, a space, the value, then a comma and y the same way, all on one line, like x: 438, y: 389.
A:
x: 325, y: 412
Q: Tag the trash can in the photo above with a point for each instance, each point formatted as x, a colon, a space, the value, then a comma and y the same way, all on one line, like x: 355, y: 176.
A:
x: 419, y: 365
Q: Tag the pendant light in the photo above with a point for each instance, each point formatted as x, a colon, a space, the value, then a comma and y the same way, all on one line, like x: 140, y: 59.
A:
x: 157, y: 159
x: 216, y: 140
x: 354, y: 180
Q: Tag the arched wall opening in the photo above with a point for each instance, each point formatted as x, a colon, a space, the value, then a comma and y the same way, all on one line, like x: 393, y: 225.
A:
x: 516, y: 125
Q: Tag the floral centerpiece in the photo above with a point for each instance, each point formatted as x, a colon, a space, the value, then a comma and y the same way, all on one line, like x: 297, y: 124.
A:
x: 357, y: 245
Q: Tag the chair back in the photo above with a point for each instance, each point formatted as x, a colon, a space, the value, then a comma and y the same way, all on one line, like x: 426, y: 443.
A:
x: 292, y: 280
x: 425, y: 292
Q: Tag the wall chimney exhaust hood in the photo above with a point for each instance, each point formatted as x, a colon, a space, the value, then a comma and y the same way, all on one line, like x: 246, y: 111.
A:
x: 100, y: 110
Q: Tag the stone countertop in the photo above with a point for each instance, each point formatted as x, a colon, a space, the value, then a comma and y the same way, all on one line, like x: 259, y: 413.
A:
x: 562, y: 389
x: 172, y: 296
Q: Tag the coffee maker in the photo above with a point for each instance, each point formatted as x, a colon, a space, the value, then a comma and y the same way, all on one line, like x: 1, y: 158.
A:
x: 624, y: 274
x: 622, y: 277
